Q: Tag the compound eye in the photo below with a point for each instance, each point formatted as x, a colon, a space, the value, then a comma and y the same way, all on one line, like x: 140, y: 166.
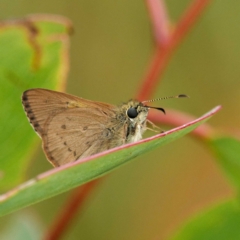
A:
x: 132, y: 112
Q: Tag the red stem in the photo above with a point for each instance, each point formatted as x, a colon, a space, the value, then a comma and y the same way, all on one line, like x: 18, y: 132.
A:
x: 163, y: 54
x: 160, y: 20
x: 69, y: 211
x: 176, y: 118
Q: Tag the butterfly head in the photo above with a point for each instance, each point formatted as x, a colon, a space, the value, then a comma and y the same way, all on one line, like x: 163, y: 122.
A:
x: 136, y: 111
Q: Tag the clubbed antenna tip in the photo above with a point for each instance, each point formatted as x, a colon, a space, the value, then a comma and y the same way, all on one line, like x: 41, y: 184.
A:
x: 163, y: 98
x: 183, y: 95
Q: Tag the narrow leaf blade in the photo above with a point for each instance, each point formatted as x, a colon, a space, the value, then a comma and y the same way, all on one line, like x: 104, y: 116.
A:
x: 71, y: 175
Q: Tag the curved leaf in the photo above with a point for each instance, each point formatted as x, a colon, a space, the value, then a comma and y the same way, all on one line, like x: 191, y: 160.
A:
x: 221, y: 222
x: 74, y: 174
x: 227, y: 150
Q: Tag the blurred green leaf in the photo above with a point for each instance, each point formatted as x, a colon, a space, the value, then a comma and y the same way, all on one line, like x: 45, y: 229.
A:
x: 34, y: 53
x: 221, y: 223
x: 74, y: 174
x: 22, y: 226
x: 227, y: 150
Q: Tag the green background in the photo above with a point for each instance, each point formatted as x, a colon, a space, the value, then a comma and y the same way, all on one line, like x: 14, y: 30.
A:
x: 110, y: 52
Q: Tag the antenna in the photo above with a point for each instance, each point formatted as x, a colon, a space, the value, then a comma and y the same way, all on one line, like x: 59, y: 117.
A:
x: 163, y: 98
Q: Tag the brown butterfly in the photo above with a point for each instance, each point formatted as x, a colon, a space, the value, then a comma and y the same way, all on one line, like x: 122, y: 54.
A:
x: 72, y: 127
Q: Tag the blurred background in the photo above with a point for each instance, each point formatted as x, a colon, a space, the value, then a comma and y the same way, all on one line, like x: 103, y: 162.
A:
x: 110, y: 51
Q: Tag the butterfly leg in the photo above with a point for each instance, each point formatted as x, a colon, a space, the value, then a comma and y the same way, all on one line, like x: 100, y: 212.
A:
x: 154, y: 126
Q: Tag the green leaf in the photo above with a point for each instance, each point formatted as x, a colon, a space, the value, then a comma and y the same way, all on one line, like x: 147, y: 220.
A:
x: 74, y: 174
x: 221, y: 223
x: 227, y: 150
x: 34, y: 53
x: 22, y: 226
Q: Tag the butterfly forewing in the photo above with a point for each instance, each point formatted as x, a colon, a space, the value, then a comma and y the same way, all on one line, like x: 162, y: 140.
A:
x: 70, y: 127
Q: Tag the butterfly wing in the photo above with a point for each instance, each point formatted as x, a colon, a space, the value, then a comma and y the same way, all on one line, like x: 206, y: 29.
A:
x: 71, y: 127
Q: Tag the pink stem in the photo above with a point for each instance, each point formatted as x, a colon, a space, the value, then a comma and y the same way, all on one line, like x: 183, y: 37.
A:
x: 175, y: 118
x: 69, y: 211
x: 163, y: 54
x: 160, y: 20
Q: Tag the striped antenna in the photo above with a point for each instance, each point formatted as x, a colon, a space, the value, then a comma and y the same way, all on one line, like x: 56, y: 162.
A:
x: 163, y: 98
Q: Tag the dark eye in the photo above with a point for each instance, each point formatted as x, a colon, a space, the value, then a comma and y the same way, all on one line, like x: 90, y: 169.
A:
x: 132, y: 112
